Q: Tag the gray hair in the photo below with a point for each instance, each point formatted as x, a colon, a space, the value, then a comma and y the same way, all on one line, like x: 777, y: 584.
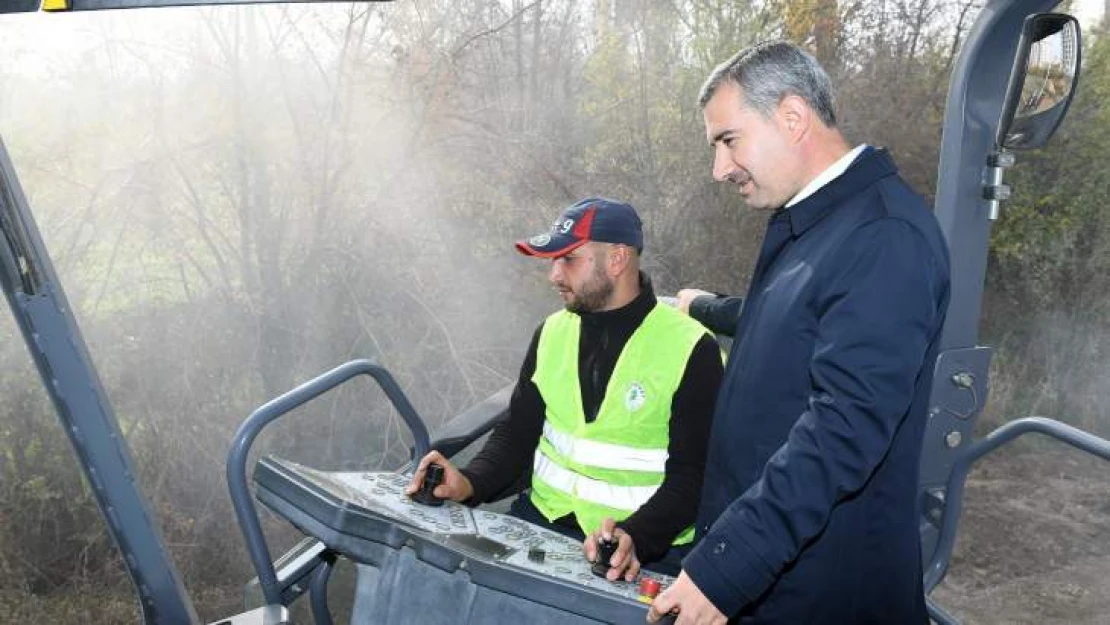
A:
x: 768, y: 72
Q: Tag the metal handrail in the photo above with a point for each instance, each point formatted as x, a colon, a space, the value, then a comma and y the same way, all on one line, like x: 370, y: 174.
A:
x: 939, y: 615
x: 241, y: 499
x: 953, y: 495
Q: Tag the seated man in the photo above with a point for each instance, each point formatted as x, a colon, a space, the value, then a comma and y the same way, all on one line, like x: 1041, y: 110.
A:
x: 611, y: 413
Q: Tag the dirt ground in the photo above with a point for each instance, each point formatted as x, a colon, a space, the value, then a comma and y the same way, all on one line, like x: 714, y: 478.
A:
x: 1034, y: 541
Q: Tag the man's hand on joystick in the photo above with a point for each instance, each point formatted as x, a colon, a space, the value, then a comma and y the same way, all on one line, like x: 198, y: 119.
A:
x: 437, y: 479
x: 433, y: 477
x: 605, y: 551
x: 613, y: 553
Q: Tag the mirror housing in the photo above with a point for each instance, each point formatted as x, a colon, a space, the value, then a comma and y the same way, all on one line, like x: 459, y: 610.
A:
x: 1042, y: 81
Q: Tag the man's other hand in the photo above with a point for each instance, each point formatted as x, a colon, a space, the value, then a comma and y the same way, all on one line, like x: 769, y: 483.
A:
x: 687, y: 296
x: 624, y: 561
x: 685, y: 599
x: 455, y: 486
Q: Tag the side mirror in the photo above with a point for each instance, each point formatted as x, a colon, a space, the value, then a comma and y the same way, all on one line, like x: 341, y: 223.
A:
x: 1042, y: 82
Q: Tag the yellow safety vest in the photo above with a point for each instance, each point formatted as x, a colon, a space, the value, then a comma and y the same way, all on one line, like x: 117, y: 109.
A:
x: 614, y: 464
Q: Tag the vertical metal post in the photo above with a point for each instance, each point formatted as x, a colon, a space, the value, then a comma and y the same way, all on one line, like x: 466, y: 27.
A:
x: 970, y: 120
x: 59, y: 352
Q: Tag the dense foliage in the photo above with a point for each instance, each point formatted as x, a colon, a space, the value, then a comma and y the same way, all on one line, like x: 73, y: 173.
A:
x: 263, y: 194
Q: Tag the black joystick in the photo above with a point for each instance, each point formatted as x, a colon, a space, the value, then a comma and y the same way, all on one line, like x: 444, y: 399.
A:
x: 605, y: 551
x: 433, y: 476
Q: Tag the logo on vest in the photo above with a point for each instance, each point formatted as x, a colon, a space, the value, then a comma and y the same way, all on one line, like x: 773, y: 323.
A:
x: 635, y: 397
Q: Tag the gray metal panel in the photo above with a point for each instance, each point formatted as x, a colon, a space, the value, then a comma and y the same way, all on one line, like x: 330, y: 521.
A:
x: 574, y: 604
x: 18, y: 6
x: 405, y: 591
x: 369, y: 538
x: 50, y: 331
x: 971, y: 119
x: 266, y: 615
x: 953, y: 411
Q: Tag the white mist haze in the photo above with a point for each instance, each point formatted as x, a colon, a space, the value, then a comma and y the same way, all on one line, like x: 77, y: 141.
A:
x: 238, y: 199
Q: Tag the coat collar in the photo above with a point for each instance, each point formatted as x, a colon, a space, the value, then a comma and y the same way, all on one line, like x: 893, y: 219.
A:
x: 871, y: 165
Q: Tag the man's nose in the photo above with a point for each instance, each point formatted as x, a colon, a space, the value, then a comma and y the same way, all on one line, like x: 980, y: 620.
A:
x: 555, y: 274
x: 723, y: 166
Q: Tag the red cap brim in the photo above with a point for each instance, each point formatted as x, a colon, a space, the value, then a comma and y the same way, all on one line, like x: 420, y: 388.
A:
x: 550, y: 250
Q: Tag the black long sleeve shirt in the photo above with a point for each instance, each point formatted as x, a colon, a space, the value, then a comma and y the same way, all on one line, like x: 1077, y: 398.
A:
x: 720, y: 314
x: 506, y: 459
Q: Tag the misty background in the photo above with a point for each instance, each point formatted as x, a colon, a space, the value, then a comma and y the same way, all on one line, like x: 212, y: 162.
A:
x: 238, y: 199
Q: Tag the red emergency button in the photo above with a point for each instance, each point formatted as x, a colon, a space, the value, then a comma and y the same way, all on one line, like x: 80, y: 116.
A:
x: 649, y: 587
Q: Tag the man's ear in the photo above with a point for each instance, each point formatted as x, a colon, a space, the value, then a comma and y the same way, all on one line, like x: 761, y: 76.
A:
x: 794, y: 116
x: 619, y: 259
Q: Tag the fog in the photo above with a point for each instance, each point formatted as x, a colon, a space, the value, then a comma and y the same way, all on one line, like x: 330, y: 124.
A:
x: 239, y: 199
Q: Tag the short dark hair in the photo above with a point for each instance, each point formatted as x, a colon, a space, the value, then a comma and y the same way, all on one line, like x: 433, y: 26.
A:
x: 768, y: 72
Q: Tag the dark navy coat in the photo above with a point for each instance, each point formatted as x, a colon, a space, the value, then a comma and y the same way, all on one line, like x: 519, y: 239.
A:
x: 809, y: 510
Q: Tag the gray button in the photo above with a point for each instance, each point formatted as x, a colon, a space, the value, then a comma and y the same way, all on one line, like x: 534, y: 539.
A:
x: 719, y: 548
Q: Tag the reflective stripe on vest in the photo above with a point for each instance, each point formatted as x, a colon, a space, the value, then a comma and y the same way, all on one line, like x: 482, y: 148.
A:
x: 610, y: 466
x: 595, y: 491
x: 604, y: 455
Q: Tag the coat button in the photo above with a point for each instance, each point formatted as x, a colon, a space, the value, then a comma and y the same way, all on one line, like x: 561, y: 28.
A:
x: 719, y: 548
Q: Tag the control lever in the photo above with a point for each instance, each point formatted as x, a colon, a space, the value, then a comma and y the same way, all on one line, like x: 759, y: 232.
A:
x: 605, y: 551
x: 433, y: 476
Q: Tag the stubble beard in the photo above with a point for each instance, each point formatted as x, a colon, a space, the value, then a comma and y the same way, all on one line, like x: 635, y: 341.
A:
x: 594, y: 294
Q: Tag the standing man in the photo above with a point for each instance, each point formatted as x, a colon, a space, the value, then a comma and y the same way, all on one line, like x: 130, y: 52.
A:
x: 809, y: 511
x: 609, y: 418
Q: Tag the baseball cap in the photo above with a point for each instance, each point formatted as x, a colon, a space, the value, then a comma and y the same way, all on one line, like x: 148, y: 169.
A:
x: 591, y: 219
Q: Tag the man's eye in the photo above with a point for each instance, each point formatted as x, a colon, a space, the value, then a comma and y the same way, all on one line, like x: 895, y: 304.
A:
x: 729, y: 141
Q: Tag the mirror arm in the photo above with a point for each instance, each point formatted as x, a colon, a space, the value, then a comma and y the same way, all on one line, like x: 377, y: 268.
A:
x: 994, y: 191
